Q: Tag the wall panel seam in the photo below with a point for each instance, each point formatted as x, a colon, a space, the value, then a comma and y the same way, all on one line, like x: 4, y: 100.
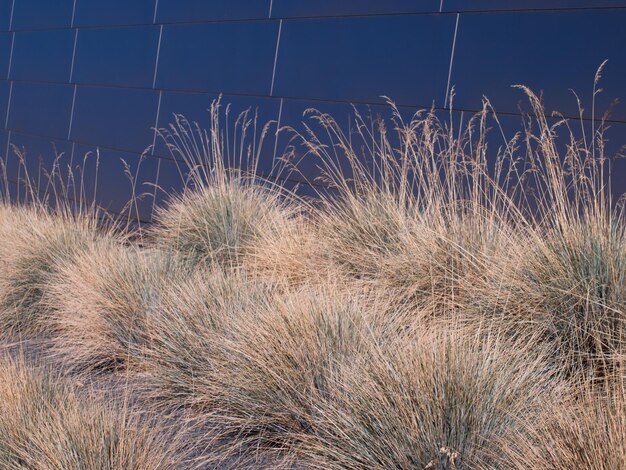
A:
x: 69, y: 130
x: 158, y: 54
x: 156, y: 121
x: 11, y: 17
x: 73, y: 14
x: 156, y: 7
x: 280, y: 27
x: 73, y: 55
x: 456, y: 28
x: 280, y: 114
x: 11, y: 56
x: 6, y: 119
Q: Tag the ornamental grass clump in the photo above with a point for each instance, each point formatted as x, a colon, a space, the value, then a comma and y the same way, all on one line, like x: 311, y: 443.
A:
x: 437, y: 400
x: 567, y: 278
x: 102, y: 301
x: 278, y: 363
x: 415, y: 212
x: 35, y: 242
x: 187, y: 333
x: 45, y: 424
x: 226, y: 206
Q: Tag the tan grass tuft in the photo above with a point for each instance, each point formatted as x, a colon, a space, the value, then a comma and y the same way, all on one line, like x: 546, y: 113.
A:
x: 227, y: 206
x: 187, y: 332
x: 45, y: 425
x: 35, y: 242
x: 440, y: 399
x: 102, y: 300
x: 586, y: 433
x: 220, y: 223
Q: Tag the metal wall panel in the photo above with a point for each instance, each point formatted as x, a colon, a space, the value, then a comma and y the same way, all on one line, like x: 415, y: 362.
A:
x: 519, y: 5
x: 359, y: 59
x: 42, y: 14
x: 323, y: 8
x: 41, y: 109
x: 42, y: 55
x: 117, y: 118
x: 113, y: 12
x: 5, y: 53
x: 4, y: 102
x: 232, y: 57
x: 5, y: 14
x: 174, y: 11
x: 116, y: 56
x: 552, y: 59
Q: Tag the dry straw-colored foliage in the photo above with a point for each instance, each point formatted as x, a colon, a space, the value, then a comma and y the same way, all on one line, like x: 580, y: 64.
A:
x: 115, y: 289
x: 46, y: 425
x: 444, y: 304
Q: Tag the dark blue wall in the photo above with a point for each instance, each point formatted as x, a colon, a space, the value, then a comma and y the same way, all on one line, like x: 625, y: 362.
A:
x: 76, y: 75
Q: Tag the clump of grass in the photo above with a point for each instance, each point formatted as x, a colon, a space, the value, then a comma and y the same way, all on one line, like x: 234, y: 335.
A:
x: 417, y: 215
x: 278, y: 364
x: 588, y: 432
x: 35, y: 242
x: 566, y: 277
x: 570, y: 283
x: 291, y: 255
x: 44, y: 424
x: 439, y: 400
x: 102, y: 299
x: 247, y: 360
x: 49, y: 220
x: 226, y: 206
x: 219, y: 223
x: 187, y: 333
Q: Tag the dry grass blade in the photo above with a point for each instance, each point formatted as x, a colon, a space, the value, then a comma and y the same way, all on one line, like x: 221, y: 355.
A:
x: 102, y: 300
x: 440, y: 400
x: 45, y: 425
x: 587, y: 433
x: 35, y: 242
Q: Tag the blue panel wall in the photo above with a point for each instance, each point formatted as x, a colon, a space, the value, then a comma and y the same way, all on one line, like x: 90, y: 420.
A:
x: 6, y: 40
x: 42, y: 55
x: 41, y: 14
x: 124, y: 57
x: 550, y: 59
x: 42, y: 109
x: 113, y: 12
x: 325, y: 8
x: 174, y: 11
x: 360, y: 59
x: 89, y: 76
x: 233, y: 57
x: 119, y: 118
